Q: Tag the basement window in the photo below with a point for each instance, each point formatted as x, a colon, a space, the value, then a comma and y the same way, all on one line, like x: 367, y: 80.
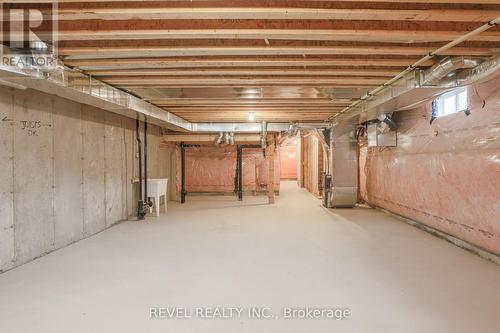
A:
x: 452, y: 102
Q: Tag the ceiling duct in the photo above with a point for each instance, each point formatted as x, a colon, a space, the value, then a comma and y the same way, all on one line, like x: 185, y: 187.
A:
x: 230, y: 138
x: 447, y: 68
x: 219, y: 139
x: 416, y: 87
x: 386, y: 120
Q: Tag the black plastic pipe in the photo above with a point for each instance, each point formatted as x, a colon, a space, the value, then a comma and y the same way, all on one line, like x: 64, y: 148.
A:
x: 239, y: 161
x: 147, y: 201
x: 239, y: 167
x: 236, y: 173
x: 140, y: 204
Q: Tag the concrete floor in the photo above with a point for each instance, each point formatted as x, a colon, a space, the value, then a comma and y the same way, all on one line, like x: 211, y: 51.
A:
x: 215, y: 251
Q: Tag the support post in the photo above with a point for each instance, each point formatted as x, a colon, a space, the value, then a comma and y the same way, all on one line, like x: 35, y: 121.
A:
x: 239, y: 156
x: 270, y: 181
x: 236, y: 177
x: 183, y: 173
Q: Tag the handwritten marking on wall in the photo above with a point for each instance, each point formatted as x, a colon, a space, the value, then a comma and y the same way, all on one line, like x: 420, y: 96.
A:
x: 5, y: 118
x: 32, y: 126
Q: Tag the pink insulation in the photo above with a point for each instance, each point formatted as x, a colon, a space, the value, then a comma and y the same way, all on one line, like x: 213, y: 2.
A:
x: 288, y: 159
x: 212, y: 169
x: 445, y: 175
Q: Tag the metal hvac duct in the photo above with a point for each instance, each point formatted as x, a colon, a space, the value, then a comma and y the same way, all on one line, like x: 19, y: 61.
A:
x: 219, y: 139
x: 417, y: 87
x: 344, y: 180
x: 447, y: 68
x: 406, y: 93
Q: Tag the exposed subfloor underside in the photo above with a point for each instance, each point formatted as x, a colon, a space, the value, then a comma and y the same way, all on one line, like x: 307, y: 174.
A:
x: 215, y: 251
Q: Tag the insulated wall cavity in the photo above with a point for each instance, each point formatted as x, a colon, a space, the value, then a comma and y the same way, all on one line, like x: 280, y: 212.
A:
x: 288, y: 159
x: 213, y: 169
x: 445, y: 174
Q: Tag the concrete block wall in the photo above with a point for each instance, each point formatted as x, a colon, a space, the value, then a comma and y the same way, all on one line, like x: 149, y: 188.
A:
x: 66, y: 172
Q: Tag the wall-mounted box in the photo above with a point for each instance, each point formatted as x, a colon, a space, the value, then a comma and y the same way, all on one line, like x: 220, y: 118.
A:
x: 378, y: 139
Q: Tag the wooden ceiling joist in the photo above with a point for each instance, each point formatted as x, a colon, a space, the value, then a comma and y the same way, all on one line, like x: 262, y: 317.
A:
x: 383, y: 36
x: 250, y: 62
x: 240, y: 105
x: 245, y: 71
x: 199, y: 59
x: 269, y: 13
x: 245, y: 101
x: 250, y: 108
x: 127, y: 52
x: 190, y: 2
x: 150, y: 81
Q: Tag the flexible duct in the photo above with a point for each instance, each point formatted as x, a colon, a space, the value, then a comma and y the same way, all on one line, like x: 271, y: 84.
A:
x: 226, y: 138
x: 219, y: 139
x: 231, y: 139
x: 414, y: 89
x: 447, y: 68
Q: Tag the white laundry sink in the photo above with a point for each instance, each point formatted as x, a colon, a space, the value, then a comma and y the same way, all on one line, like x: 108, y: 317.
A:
x: 157, y: 188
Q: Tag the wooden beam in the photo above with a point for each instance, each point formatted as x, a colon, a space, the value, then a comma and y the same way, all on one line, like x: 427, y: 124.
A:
x: 236, y: 106
x: 197, y: 110
x: 131, y: 63
x: 149, y: 81
x: 383, y: 36
x: 181, y: 2
x: 191, y: 102
x: 160, y: 51
x: 245, y: 71
x: 258, y: 113
x: 270, y: 13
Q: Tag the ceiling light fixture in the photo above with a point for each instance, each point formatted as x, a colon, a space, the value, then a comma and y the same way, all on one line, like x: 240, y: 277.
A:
x: 251, y: 116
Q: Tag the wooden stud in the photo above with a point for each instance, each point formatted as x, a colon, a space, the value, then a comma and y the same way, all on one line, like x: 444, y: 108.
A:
x: 270, y: 182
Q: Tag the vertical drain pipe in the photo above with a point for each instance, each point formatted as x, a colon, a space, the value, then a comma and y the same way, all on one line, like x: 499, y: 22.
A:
x: 239, y: 157
x: 183, y: 173
x: 140, y: 203
x: 147, y: 201
x: 237, y: 173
